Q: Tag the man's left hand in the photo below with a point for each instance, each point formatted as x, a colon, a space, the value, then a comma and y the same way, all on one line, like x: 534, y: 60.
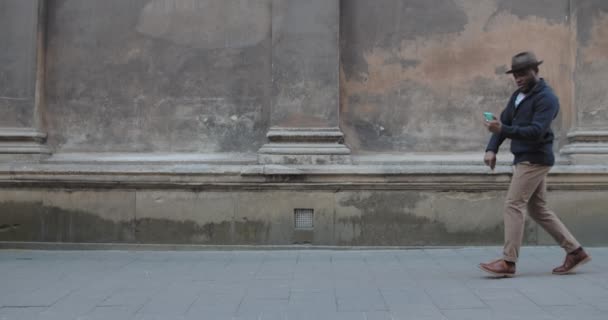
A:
x: 494, y: 126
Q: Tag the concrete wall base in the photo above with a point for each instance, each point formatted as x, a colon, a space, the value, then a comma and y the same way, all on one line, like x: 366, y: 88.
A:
x: 410, y: 203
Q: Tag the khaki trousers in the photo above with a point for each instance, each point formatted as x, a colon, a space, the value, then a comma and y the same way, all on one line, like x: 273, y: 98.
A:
x: 528, y: 190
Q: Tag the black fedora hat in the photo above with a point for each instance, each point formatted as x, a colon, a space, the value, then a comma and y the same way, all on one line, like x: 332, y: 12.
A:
x: 523, y: 61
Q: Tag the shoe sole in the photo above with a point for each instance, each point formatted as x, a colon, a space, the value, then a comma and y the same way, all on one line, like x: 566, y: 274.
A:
x: 575, y: 266
x: 497, y: 274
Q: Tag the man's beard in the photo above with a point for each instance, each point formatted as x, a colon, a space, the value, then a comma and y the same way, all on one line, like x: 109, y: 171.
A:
x: 529, y: 86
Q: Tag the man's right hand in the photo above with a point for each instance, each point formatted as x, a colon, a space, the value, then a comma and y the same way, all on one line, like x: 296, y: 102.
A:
x: 490, y: 159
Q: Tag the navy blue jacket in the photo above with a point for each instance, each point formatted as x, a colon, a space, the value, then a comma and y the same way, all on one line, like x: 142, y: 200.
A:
x: 529, y: 126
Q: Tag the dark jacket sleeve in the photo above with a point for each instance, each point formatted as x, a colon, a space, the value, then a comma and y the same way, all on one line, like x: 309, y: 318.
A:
x: 495, y: 142
x: 545, y: 110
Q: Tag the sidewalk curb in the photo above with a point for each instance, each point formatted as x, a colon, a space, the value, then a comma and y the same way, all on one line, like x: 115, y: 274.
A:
x: 8, y: 245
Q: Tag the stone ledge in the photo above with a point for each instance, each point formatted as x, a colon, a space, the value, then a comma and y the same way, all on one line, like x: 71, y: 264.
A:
x: 26, y: 245
x: 439, y: 178
x: 105, y: 158
x: 214, y: 172
x: 305, y: 149
x: 586, y: 148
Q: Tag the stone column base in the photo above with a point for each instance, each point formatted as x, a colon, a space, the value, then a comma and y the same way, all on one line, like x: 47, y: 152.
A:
x: 587, y: 146
x: 304, y: 146
x: 22, y: 144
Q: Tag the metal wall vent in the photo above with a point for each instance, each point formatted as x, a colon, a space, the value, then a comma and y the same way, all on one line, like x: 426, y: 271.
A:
x: 303, y: 219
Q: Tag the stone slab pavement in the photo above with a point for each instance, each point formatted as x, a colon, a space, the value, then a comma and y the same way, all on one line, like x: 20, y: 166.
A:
x: 421, y: 284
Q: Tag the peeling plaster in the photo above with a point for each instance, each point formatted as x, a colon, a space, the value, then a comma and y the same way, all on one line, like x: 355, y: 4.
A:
x: 455, y: 77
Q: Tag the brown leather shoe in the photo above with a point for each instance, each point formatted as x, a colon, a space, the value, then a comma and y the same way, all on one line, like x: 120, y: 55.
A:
x: 573, y: 259
x: 499, y: 268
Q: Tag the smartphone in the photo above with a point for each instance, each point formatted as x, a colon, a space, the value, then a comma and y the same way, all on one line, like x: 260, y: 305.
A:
x: 489, y: 116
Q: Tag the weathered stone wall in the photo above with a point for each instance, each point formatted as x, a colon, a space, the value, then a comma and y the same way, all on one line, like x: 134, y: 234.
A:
x: 592, y: 64
x: 17, y: 62
x: 195, y: 76
x: 211, y: 121
x: 158, y: 76
x: 417, y: 75
x: 360, y: 218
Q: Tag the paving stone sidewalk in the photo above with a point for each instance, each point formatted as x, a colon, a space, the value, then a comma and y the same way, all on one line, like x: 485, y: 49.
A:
x: 297, y: 284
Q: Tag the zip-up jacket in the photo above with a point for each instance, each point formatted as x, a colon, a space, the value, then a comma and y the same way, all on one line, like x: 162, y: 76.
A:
x: 529, y: 126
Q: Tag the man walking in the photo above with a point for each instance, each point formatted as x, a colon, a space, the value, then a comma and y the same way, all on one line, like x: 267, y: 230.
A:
x: 527, y: 122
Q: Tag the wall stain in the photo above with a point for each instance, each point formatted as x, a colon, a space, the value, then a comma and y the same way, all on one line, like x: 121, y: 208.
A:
x: 37, y: 222
x: 382, y: 23
x: 33, y: 221
x: 391, y: 220
x: 586, y: 14
x: 207, y: 24
x: 596, y: 49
